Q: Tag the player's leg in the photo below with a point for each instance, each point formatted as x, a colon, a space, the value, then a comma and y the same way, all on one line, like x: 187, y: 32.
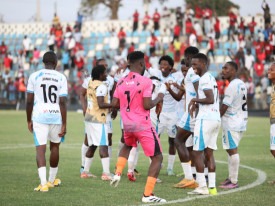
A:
x: 150, y: 143
x: 110, y: 134
x: 84, y: 149
x: 131, y: 164
x: 130, y: 141
x: 54, y: 160
x: 40, y: 134
x: 231, y: 141
x: 198, y: 150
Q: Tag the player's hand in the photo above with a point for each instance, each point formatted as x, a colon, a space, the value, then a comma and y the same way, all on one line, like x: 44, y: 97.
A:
x: 191, y: 107
x: 114, y: 114
x: 63, y: 131
x: 167, y: 85
x: 158, y: 108
x: 30, y: 126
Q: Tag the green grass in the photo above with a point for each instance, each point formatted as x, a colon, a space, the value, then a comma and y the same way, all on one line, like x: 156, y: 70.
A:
x: 19, y: 172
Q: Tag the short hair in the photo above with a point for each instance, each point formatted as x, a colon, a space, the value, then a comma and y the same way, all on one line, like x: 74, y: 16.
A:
x: 191, y: 50
x: 201, y: 57
x: 135, y: 55
x: 182, y: 62
x: 233, y: 64
x: 49, y: 58
x: 97, y: 71
x: 167, y: 58
x: 99, y: 60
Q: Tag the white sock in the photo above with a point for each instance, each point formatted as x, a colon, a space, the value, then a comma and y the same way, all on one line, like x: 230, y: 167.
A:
x: 171, y: 160
x: 42, y: 175
x: 200, y: 179
x: 194, y: 171
x: 120, y: 145
x: 88, y: 163
x: 52, y: 174
x: 212, y: 179
x: 205, y: 171
x: 136, y: 157
x: 84, y: 149
x: 229, y: 167
x: 106, y: 165
x: 131, y: 159
x: 186, y: 166
x: 235, y: 163
x: 110, y: 152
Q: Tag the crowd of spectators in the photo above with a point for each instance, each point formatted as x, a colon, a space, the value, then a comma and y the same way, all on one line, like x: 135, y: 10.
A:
x: 255, y: 48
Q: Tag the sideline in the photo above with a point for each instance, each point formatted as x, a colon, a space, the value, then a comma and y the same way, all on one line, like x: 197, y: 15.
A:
x: 260, y: 180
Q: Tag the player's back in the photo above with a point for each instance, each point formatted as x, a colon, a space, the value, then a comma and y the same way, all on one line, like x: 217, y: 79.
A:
x: 235, y: 117
x: 130, y: 91
x: 47, y: 86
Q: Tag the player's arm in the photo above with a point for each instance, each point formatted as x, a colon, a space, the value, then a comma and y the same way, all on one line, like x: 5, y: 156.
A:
x: 148, y: 103
x: 83, y: 100
x: 177, y: 96
x: 196, y: 86
x: 29, y: 108
x: 102, y: 104
x: 223, y: 109
x: 63, y: 111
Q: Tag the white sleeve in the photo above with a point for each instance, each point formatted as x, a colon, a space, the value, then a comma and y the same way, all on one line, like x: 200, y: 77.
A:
x: 64, y: 87
x: 85, y: 83
x: 194, y: 78
x: 30, y: 87
x: 228, y: 96
x: 162, y: 88
x: 205, y: 84
x: 101, y: 91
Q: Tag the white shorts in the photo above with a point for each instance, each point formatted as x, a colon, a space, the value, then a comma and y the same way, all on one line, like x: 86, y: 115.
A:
x: 187, y: 122
x: 231, y: 139
x: 44, y: 132
x: 272, y: 137
x: 96, y: 134
x: 109, y: 123
x: 189, y: 141
x: 205, y: 134
x: 167, y: 122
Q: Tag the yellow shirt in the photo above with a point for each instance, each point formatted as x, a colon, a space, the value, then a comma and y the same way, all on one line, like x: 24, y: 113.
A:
x: 94, y: 114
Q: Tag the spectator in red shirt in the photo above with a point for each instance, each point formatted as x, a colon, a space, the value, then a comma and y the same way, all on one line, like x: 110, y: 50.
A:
x: 145, y: 21
x: 242, y: 26
x: 268, y: 50
x: 232, y: 22
x: 217, y: 29
x: 251, y: 26
x: 211, y: 47
x: 131, y: 48
x: 261, y: 56
x: 7, y: 62
x: 121, y: 36
x: 156, y: 18
x: 188, y: 27
x: 259, y: 68
x: 154, y: 41
x: 68, y: 28
x: 198, y: 14
x: 3, y: 51
x: 135, y: 23
x: 177, y: 30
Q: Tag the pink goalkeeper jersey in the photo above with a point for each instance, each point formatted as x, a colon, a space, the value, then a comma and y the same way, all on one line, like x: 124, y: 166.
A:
x: 130, y: 91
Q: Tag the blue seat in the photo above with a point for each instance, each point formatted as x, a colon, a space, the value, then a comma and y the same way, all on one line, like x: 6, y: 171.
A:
x: 157, y: 33
x: 92, y: 47
x: 99, y: 54
x: 212, y: 67
x: 203, y: 44
x: 226, y: 45
x: 106, y: 47
x: 219, y: 52
x: 224, y: 32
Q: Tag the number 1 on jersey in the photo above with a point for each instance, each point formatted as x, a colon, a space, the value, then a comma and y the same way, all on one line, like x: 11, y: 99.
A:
x: 128, y: 100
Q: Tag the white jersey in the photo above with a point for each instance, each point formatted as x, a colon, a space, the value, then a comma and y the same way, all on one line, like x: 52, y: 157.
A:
x: 208, y: 111
x: 47, y: 86
x: 121, y: 74
x: 235, y: 117
x: 180, y: 104
x: 109, y: 82
x: 169, y: 103
x: 190, y: 91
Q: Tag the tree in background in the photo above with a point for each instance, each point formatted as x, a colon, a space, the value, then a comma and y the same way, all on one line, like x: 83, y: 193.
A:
x: 219, y: 6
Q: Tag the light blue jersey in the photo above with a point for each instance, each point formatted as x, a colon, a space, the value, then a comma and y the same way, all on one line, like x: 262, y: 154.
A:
x: 47, y: 86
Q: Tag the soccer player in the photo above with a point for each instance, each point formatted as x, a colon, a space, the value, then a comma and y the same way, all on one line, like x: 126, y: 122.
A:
x: 206, y: 127
x: 110, y: 83
x: 234, y: 119
x: 133, y: 97
x: 95, y: 122
x: 271, y: 76
x: 184, y: 139
x: 46, y: 116
x: 168, y: 116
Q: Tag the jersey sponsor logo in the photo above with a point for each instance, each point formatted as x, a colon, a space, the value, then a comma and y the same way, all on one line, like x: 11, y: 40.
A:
x: 130, y: 83
x: 52, y: 111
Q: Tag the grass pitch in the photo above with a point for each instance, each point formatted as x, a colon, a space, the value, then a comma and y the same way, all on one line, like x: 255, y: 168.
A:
x: 19, y: 172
